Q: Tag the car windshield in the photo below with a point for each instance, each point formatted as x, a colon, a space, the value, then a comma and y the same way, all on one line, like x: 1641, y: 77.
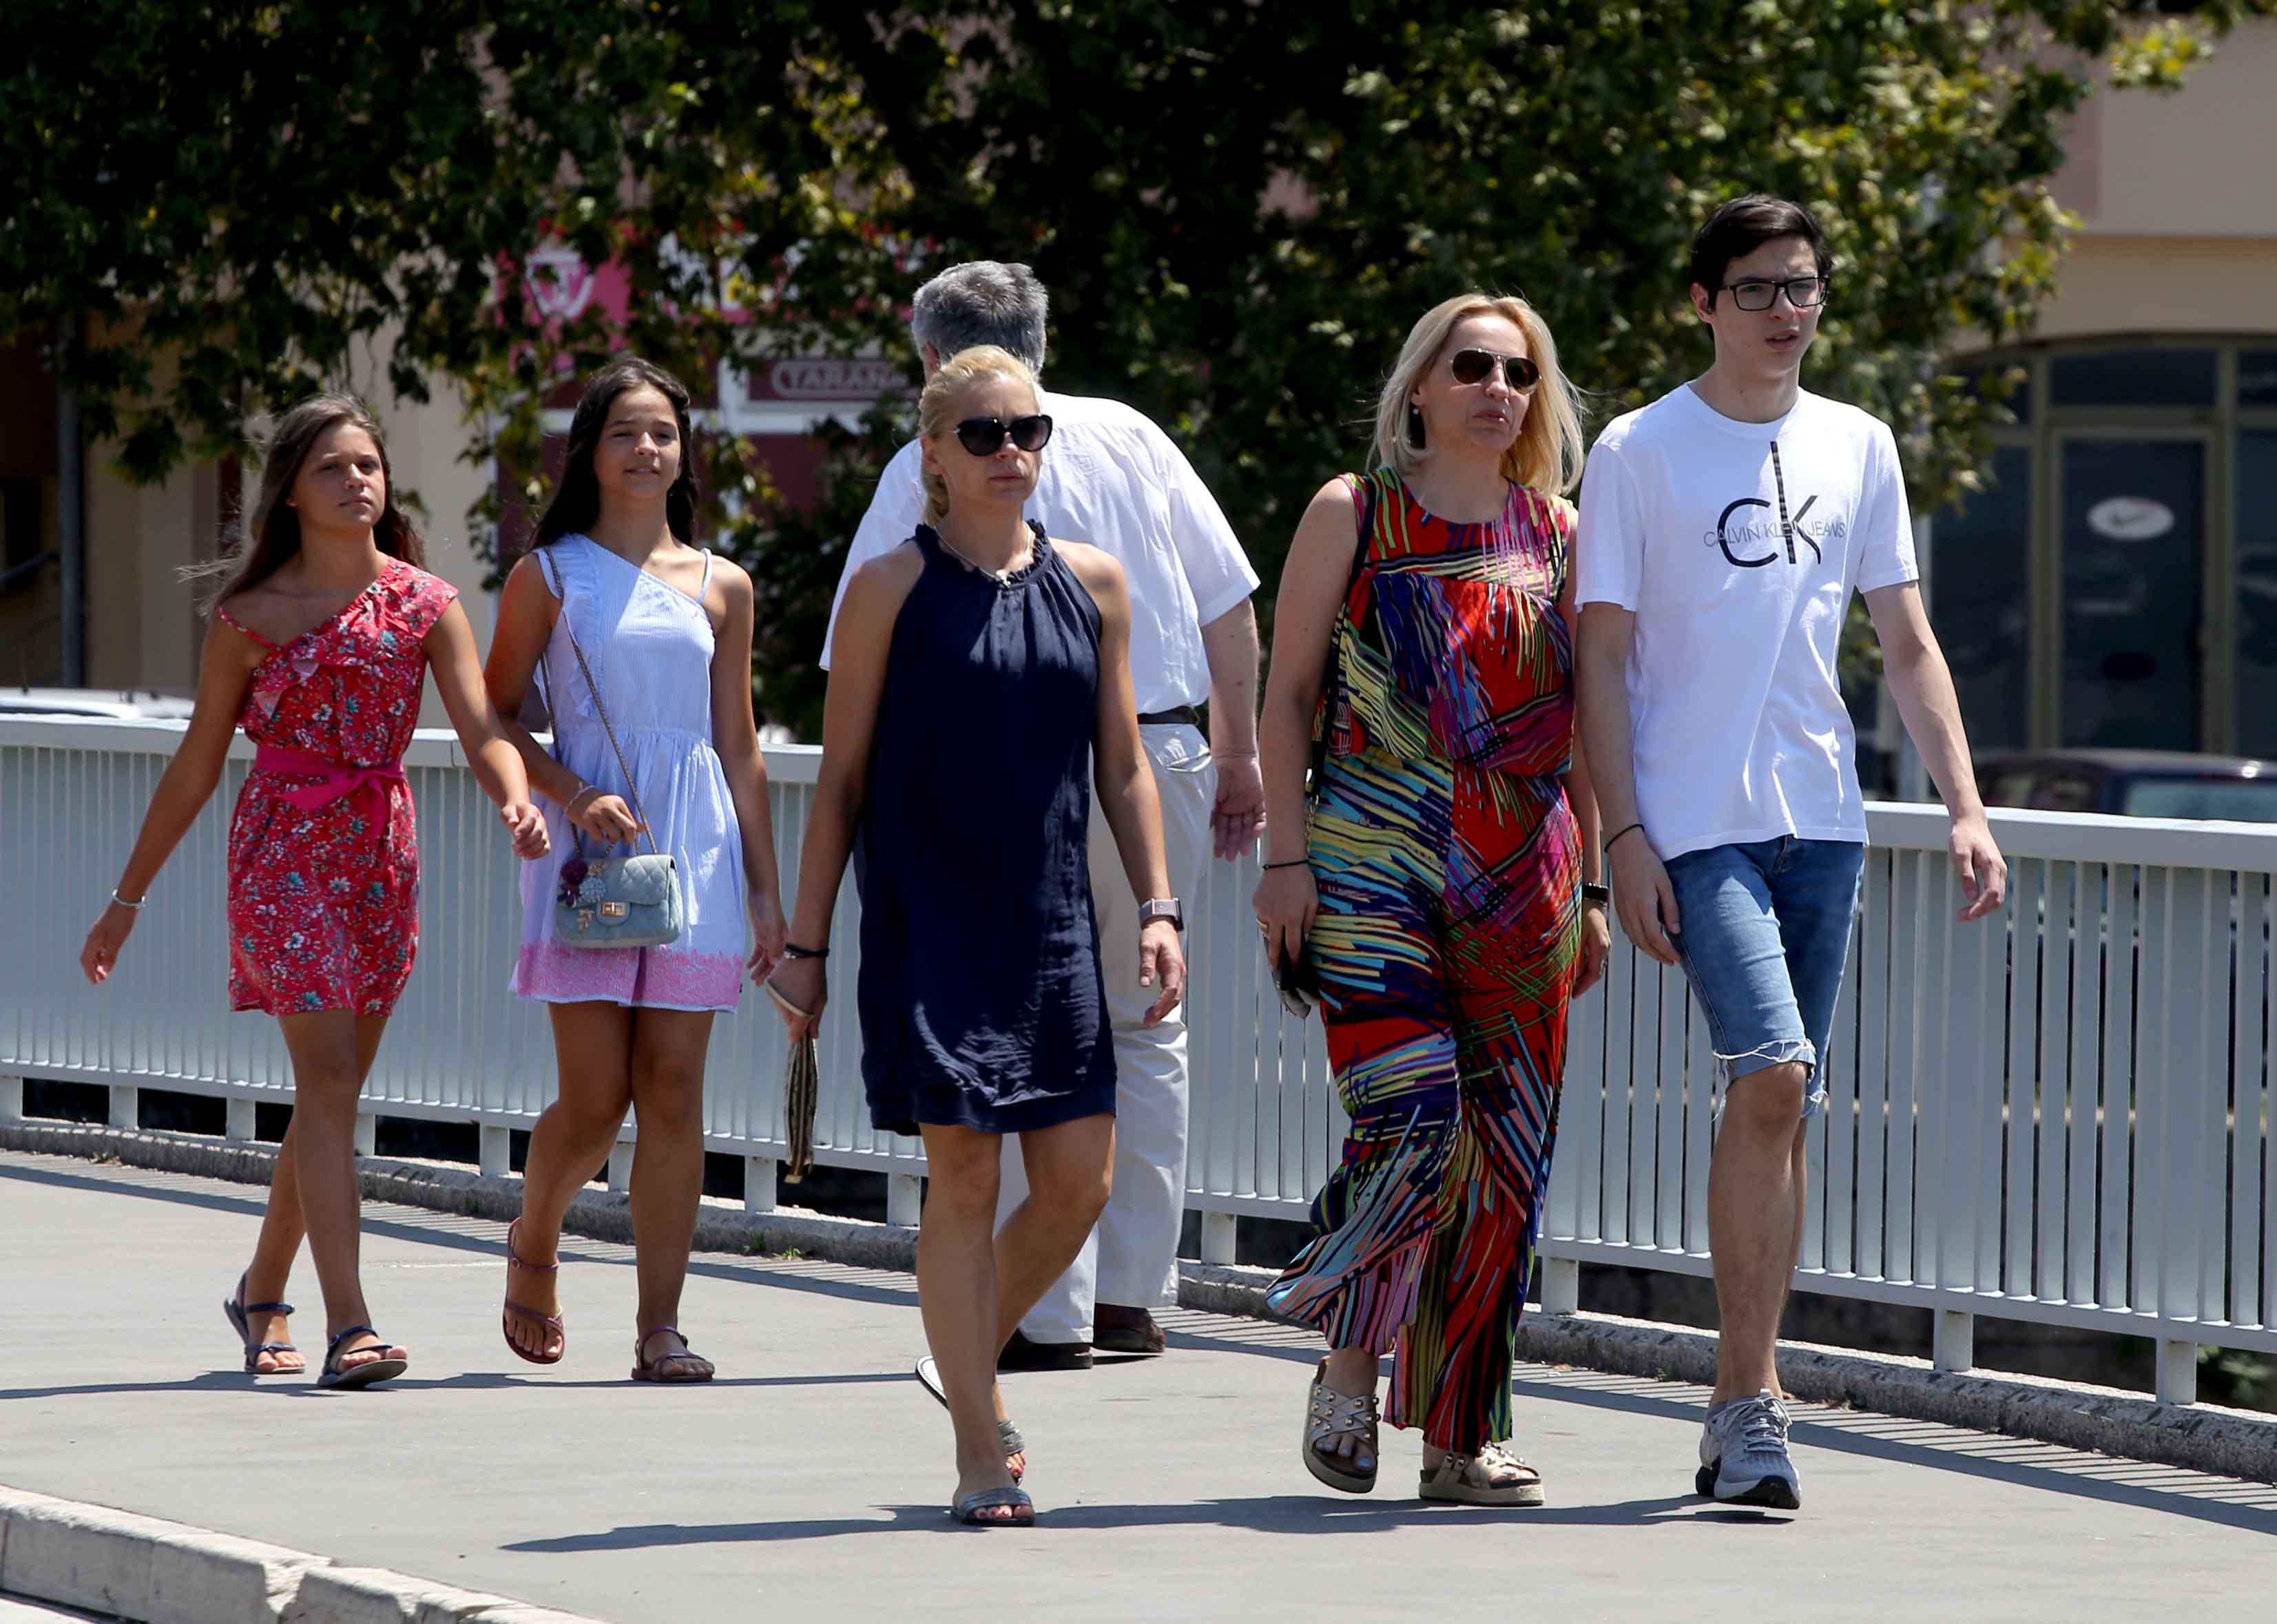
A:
x: 2235, y: 800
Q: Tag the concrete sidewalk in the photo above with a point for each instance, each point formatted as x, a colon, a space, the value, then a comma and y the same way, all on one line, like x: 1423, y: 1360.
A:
x: 1168, y: 1487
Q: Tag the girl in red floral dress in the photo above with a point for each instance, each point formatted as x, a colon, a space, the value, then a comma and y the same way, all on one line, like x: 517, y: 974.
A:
x: 323, y: 630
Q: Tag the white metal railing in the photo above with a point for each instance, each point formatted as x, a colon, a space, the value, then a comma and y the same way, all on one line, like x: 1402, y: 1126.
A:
x: 2061, y: 1115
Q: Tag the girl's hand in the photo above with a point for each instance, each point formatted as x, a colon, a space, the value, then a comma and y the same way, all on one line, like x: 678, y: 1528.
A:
x: 604, y: 816
x: 1286, y: 902
x: 1161, y: 959
x: 800, y: 989
x: 99, y: 956
x: 527, y: 827
x: 1596, y: 948
x: 767, y: 933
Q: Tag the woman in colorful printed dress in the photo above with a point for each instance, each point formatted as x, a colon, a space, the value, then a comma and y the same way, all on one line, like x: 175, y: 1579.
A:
x: 663, y: 629
x: 1435, y: 886
x: 324, y: 628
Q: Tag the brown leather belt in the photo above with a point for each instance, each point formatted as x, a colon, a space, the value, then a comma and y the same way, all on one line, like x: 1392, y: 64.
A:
x: 1185, y: 713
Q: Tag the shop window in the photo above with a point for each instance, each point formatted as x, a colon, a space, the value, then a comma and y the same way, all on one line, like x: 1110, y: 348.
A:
x: 1980, y: 582
x: 2133, y: 378
x: 2257, y: 377
x: 2257, y: 593
x: 2133, y: 533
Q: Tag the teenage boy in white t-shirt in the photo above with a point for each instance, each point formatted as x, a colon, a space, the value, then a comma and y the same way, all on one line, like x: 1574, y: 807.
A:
x: 1723, y: 531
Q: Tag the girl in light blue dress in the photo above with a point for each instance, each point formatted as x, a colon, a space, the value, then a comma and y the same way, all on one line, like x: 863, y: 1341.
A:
x: 664, y: 630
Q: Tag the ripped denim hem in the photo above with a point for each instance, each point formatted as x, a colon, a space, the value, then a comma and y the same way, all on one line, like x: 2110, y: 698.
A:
x: 1778, y: 1052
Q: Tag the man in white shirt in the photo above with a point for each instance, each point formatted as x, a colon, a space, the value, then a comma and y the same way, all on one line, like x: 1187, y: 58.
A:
x: 1110, y: 477
x: 1723, y: 531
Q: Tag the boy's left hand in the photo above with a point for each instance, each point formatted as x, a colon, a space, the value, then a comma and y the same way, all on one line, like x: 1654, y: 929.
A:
x: 527, y: 825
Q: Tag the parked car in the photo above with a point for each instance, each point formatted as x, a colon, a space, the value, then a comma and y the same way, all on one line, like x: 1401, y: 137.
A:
x: 132, y: 704
x: 2134, y: 783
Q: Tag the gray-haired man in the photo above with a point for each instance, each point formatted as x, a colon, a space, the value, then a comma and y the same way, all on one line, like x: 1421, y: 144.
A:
x: 1114, y: 479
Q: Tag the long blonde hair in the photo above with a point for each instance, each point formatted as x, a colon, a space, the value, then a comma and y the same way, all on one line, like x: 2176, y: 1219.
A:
x: 1547, y: 454
x: 935, y: 406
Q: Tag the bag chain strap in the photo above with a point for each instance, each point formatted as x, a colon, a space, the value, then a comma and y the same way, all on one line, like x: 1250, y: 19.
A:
x: 600, y: 710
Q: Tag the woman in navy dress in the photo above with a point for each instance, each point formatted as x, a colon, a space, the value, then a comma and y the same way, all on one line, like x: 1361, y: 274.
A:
x: 981, y: 686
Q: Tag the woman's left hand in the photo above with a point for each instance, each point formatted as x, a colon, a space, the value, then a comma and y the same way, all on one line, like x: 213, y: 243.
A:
x: 1161, y: 962
x: 768, y: 932
x: 526, y: 825
x: 1596, y: 948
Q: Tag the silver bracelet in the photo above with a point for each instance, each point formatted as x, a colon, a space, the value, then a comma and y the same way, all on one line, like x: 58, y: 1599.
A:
x: 143, y: 902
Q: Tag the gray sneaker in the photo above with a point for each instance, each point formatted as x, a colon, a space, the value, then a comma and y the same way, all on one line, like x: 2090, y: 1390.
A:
x: 1743, y: 1459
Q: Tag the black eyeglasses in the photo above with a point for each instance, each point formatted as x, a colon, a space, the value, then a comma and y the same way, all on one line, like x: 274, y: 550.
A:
x: 982, y: 436
x: 1756, y: 293
x: 1471, y: 366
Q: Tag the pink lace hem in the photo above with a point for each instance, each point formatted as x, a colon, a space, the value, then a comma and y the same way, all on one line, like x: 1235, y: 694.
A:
x: 650, y: 978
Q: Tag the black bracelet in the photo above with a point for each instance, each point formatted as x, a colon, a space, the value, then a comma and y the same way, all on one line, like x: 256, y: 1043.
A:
x: 1292, y: 862
x: 1632, y: 829
x: 791, y: 949
x: 1592, y: 892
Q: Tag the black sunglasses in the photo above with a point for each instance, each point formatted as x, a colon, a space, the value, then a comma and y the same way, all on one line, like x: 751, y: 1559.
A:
x: 982, y: 436
x: 1471, y: 366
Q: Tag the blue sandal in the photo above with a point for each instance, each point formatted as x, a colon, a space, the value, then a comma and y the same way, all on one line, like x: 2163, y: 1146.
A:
x: 239, y: 1312
x: 365, y: 1374
x: 968, y: 1509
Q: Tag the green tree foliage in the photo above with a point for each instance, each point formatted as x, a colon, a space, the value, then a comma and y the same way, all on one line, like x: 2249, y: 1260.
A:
x: 1239, y: 207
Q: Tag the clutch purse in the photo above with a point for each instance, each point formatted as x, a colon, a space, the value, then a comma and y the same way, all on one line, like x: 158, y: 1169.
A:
x: 612, y: 902
x: 802, y: 1084
x: 1299, y: 983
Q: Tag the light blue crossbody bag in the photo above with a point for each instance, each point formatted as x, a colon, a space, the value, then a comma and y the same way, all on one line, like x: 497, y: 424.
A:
x: 611, y: 902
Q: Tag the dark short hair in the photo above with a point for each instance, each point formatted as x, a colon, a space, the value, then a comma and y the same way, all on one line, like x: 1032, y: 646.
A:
x: 1741, y: 226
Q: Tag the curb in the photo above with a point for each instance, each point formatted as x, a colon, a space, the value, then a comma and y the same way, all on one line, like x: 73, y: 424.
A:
x: 150, y: 1571
x: 2108, y: 1420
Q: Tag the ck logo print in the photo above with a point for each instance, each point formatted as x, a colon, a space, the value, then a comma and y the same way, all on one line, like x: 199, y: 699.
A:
x: 1740, y: 539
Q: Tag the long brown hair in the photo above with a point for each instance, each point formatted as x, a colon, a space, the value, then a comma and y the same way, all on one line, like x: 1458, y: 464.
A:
x: 271, y: 538
x: 576, y: 505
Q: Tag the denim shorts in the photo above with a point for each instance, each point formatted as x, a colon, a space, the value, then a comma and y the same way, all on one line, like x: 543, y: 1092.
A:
x: 1766, y: 936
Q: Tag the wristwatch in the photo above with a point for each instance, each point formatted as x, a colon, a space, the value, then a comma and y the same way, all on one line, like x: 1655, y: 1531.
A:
x: 1161, y: 907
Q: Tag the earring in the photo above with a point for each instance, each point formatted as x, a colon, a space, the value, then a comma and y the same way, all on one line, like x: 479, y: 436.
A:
x: 1415, y: 426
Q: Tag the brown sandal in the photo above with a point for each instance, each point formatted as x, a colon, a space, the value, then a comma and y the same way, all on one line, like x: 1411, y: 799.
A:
x: 647, y: 1369
x: 551, y: 1321
x: 1470, y: 1480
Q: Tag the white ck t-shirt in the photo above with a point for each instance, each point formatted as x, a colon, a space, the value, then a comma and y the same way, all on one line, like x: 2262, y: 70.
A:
x: 1737, y: 546
x: 1113, y: 479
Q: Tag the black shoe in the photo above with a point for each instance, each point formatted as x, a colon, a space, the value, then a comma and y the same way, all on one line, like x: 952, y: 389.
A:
x: 1125, y: 1330
x: 1021, y: 1354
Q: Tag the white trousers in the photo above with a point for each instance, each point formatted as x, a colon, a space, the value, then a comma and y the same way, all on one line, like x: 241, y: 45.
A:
x: 1131, y: 1258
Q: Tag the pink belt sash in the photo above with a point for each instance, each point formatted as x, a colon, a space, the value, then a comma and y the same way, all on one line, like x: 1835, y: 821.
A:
x: 336, y: 777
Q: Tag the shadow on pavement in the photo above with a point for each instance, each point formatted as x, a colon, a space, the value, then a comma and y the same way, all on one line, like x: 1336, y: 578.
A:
x: 1279, y: 1514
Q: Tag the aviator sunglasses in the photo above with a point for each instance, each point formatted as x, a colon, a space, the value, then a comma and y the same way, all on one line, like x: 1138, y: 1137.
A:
x: 1471, y: 366
x: 982, y: 436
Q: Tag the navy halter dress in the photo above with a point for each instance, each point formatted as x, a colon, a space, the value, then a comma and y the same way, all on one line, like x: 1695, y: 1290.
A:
x: 980, y: 996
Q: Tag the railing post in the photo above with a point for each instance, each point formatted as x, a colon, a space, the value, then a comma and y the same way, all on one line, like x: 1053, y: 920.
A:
x: 238, y: 1118
x: 12, y: 1099
x: 126, y: 1106
x: 2178, y: 1372
x: 496, y: 1151
x: 1561, y: 1285
x: 1954, y: 1342
x: 620, y: 1166
x: 367, y: 1134
x: 1220, y: 1229
x: 759, y: 1184
x: 904, y: 1199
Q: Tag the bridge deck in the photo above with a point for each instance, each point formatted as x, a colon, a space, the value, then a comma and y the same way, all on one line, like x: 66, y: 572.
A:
x: 1169, y: 1487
